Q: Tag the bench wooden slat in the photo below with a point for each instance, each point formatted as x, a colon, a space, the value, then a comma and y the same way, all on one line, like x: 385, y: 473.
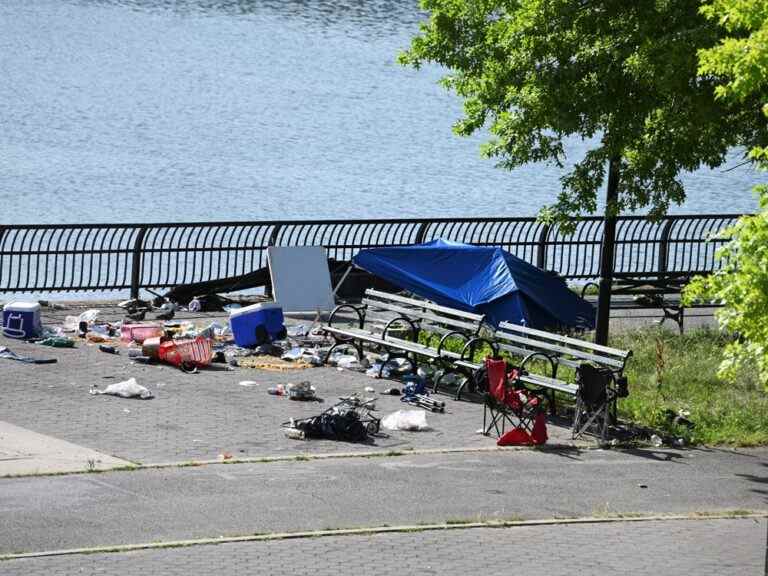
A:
x: 425, y: 304
x: 551, y: 383
x: 565, y: 340
x: 371, y: 337
x: 547, y: 347
x: 425, y: 315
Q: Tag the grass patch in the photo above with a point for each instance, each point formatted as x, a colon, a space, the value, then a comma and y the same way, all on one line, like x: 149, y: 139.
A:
x: 676, y: 372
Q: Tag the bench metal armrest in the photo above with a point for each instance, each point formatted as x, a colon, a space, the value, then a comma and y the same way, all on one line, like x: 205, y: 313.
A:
x: 470, y: 346
x: 448, y: 335
x: 359, y: 310
x: 414, y: 328
x: 549, y: 357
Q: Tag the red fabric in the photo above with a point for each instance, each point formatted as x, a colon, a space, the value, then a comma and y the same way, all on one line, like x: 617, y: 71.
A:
x: 497, y: 376
x: 539, y: 432
x: 515, y: 437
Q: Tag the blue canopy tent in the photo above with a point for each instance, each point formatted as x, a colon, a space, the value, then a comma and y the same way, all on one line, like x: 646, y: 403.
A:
x: 480, y: 279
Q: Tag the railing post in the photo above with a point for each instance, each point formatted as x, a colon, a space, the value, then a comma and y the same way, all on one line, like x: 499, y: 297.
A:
x: 607, y: 254
x: 541, y: 254
x: 422, y: 232
x: 271, y: 242
x: 664, y: 250
x: 2, y: 236
x: 138, y: 245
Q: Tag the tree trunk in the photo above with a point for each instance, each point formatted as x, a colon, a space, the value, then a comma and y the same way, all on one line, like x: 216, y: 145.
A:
x: 607, y: 253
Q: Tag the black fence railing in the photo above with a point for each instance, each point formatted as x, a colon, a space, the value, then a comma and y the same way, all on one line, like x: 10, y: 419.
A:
x: 106, y: 257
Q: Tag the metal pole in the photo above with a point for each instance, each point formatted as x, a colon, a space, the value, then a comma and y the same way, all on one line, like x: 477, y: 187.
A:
x: 607, y: 253
x: 137, y: 262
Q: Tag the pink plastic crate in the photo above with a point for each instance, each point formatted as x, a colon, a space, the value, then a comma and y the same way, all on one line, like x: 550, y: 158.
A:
x: 140, y: 332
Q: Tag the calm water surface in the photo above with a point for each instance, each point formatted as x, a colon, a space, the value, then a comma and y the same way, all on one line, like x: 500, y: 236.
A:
x: 147, y: 110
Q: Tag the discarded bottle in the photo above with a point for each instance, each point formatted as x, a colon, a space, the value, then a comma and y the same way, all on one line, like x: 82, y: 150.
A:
x: 108, y: 349
x: 82, y: 328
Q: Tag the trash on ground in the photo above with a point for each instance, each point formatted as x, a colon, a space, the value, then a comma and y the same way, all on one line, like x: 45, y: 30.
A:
x: 127, y: 389
x: 108, y: 349
x: 58, y: 342
x: 410, y: 420
x: 271, y: 363
x: 7, y: 354
x: 247, y: 383
x: 278, y: 390
x: 301, y: 391
x: 392, y: 392
x: 140, y: 332
x: 351, y: 419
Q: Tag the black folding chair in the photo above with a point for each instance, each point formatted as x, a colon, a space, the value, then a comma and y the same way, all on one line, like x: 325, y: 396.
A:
x: 596, y: 395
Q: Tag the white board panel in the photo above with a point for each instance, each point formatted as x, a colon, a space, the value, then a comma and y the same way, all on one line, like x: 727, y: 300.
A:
x: 301, y: 281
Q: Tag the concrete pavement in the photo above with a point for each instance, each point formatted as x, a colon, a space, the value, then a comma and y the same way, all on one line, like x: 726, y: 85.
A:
x: 114, y: 508
x: 700, y: 547
x: 23, y: 451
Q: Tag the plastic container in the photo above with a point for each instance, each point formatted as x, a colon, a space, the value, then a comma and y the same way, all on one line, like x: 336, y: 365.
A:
x: 22, y: 320
x: 257, y: 324
x: 140, y: 332
x: 195, y: 352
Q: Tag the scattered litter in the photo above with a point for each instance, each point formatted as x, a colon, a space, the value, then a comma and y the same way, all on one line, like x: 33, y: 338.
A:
x: 369, y: 390
x: 656, y: 440
x: 351, y: 420
x: 126, y: 410
x: 108, y: 349
x: 140, y: 332
x: 225, y: 456
x: 298, y: 331
x: 127, y: 389
x: 248, y: 383
x: 271, y: 363
x: 8, y: 354
x: 642, y: 485
x: 278, y: 390
x: 58, y: 342
x: 411, y: 420
x: 301, y: 391
x: 295, y: 434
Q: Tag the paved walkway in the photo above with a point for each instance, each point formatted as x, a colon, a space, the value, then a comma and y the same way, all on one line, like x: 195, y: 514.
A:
x: 200, y: 416
x: 114, y: 508
x: 23, y: 451
x: 697, y: 547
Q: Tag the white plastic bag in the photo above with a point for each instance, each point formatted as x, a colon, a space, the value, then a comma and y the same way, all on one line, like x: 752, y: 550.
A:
x: 127, y: 389
x: 413, y: 420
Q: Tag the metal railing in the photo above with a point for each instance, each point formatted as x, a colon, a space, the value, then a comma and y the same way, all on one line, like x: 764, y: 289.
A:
x: 106, y: 257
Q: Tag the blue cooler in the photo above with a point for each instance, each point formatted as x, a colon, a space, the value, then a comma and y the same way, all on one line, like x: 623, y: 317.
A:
x: 22, y: 320
x: 257, y: 324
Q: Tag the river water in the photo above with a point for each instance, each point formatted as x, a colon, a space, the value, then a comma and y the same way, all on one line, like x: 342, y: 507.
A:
x: 185, y: 110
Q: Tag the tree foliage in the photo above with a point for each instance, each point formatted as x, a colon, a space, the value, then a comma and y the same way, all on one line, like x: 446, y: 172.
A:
x: 741, y: 60
x: 621, y: 74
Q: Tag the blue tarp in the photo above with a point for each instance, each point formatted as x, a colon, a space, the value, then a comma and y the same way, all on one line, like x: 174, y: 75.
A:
x: 480, y: 279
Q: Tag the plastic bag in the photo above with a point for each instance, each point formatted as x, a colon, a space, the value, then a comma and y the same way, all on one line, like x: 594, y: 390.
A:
x: 413, y: 420
x: 127, y: 389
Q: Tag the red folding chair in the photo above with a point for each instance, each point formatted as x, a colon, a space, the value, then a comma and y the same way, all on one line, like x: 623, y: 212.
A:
x: 509, y: 403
